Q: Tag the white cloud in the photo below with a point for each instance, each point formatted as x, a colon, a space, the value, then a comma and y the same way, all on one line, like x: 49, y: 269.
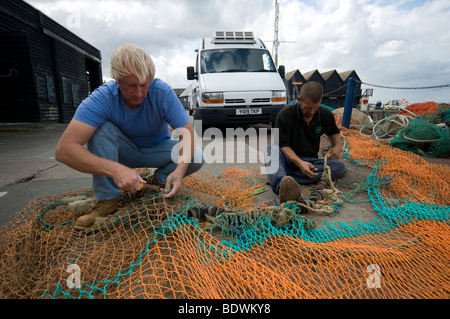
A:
x: 395, y: 43
x: 391, y: 48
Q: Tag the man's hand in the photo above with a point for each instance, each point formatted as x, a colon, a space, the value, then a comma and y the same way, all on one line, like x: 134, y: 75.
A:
x: 305, y: 167
x: 308, y: 169
x: 334, y: 152
x: 173, y: 184
x: 127, y: 179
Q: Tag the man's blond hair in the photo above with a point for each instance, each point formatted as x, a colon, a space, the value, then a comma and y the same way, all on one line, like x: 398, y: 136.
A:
x: 130, y: 59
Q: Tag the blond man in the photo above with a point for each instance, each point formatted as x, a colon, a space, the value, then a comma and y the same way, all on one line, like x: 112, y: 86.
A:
x: 125, y: 123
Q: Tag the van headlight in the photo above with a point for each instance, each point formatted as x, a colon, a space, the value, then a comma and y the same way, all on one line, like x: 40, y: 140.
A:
x: 278, y: 96
x: 213, y: 98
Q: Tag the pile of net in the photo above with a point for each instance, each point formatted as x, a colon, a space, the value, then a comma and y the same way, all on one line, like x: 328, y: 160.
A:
x: 428, y: 133
x: 215, y: 241
x: 422, y: 109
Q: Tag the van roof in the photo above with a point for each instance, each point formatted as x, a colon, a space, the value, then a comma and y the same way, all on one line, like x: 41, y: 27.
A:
x: 232, y: 39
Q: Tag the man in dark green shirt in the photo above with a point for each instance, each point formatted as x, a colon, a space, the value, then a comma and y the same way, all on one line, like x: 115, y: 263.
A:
x: 300, y: 127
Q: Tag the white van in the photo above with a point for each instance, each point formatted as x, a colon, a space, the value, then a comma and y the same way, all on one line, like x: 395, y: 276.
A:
x: 235, y: 81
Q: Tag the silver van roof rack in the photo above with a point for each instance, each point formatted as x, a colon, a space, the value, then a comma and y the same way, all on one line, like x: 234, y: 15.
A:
x: 234, y: 37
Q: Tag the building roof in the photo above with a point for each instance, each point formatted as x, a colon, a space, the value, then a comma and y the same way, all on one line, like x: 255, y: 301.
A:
x: 308, y: 75
x: 345, y: 75
x: 326, y: 75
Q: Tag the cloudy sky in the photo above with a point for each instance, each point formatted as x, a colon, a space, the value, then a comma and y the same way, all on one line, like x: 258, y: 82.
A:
x: 394, y: 43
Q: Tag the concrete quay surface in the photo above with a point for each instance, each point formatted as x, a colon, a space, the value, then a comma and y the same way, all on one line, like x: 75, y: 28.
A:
x: 29, y: 170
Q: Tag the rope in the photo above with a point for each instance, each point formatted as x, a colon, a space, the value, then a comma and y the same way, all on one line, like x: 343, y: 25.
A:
x: 328, y: 93
x: 378, y: 125
x: 405, y: 88
x: 10, y: 73
x: 419, y: 141
x: 324, y: 190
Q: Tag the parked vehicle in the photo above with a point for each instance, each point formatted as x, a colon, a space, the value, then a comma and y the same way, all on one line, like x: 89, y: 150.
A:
x: 395, y: 104
x: 235, y: 81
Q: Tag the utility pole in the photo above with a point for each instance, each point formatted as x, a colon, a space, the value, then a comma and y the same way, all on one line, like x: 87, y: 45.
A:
x: 276, y: 42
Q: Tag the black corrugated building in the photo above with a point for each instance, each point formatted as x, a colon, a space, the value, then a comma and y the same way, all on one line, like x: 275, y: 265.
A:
x: 334, y: 89
x: 294, y: 81
x: 334, y: 85
x: 45, y: 69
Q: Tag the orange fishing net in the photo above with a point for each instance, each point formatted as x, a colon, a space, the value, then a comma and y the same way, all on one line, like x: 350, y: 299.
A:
x: 159, y: 248
x: 420, y: 109
x: 392, y: 265
x: 415, y: 178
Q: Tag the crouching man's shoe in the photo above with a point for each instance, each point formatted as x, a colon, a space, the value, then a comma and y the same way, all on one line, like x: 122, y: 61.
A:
x: 101, y: 210
x: 290, y: 190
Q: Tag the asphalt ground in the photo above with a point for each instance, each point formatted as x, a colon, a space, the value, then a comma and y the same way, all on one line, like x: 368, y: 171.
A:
x: 29, y: 170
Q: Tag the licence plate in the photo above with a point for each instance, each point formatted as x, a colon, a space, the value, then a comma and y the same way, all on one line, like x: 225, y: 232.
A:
x: 248, y: 111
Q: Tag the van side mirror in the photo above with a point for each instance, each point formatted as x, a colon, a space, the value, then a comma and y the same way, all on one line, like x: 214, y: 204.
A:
x: 191, y: 75
x: 282, y: 71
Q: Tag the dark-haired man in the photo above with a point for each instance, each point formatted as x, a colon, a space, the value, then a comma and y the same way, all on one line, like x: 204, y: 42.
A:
x: 301, y: 127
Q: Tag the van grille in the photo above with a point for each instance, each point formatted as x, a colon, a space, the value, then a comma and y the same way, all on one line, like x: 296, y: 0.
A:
x: 261, y: 100
x: 234, y: 101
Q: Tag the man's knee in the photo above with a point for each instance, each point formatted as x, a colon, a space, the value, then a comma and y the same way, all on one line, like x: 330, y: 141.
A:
x: 196, y: 163
x: 108, y: 141
x: 105, y: 131
x: 337, y: 168
x: 272, y: 158
x: 198, y: 159
x: 108, y: 128
x: 271, y: 149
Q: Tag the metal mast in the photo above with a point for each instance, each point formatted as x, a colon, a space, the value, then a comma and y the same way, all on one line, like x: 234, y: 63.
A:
x: 276, y: 42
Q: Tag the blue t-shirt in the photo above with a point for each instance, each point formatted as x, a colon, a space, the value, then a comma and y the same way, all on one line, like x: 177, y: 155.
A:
x: 146, y: 126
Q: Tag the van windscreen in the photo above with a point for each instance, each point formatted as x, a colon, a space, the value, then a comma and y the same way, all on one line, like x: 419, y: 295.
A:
x: 236, y: 60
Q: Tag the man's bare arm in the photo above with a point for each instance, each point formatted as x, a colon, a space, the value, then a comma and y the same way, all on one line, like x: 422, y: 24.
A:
x: 71, y: 151
x: 335, y: 151
x: 186, y: 149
